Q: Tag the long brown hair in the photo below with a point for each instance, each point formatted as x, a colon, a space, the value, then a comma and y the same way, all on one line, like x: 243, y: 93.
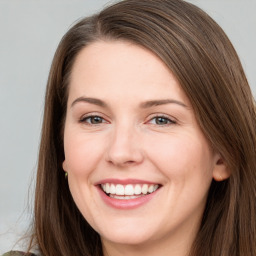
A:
x: 208, y: 69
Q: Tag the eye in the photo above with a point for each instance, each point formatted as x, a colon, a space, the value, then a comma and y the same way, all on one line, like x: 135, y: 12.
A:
x: 93, y: 120
x: 161, y: 120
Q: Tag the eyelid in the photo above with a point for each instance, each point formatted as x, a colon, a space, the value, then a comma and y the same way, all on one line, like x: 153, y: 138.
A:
x: 92, y: 114
x: 156, y: 115
x: 171, y: 120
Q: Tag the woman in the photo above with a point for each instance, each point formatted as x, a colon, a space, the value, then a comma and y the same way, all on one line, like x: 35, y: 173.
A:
x: 150, y: 116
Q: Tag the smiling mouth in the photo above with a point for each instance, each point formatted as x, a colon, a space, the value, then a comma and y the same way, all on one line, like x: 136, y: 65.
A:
x: 129, y: 191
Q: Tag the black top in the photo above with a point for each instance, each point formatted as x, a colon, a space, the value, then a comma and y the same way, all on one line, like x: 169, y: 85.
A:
x: 17, y: 253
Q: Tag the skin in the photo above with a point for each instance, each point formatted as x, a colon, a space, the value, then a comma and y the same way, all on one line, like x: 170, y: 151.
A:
x: 128, y: 141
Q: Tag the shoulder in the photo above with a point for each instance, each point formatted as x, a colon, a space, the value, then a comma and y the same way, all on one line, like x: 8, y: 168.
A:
x: 17, y: 253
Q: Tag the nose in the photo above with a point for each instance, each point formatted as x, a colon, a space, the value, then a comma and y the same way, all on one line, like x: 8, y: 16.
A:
x: 124, y: 148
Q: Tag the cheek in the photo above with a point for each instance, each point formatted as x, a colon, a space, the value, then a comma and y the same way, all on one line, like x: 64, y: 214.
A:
x: 82, y: 153
x: 180, y: 156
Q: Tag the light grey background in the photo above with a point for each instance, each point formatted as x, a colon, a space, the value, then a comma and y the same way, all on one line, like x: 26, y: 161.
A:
x: 29, y: 33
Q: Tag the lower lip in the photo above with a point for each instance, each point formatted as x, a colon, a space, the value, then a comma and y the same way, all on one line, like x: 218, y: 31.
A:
x: 126, y: 204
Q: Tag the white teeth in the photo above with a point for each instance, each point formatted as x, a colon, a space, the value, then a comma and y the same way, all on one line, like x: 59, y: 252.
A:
x: 151, y: 188
x: 137, y: 189
x: 144, y: 189
x: 112, y: 189
x: 124, y: 197
x: 119, y: 190
x: 107, y: 188
x: 128, y: 191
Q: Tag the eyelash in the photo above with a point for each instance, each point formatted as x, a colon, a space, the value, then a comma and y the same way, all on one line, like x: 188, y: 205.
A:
x: 90, y: 117
x: 162, y: 117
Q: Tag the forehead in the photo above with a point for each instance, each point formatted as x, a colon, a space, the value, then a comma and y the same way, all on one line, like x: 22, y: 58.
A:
x: 122, y: 68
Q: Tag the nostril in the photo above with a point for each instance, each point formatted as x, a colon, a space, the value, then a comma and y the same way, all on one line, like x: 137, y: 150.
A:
x: 129, y: 162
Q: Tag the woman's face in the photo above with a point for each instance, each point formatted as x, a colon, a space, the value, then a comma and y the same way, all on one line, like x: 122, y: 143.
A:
x: 139, y: 167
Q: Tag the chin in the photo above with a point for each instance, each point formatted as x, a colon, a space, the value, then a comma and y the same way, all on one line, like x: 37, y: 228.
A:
x: 127, y: 239
x: 132, y: 236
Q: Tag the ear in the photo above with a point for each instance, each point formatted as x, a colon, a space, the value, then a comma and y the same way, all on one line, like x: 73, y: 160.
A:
x: 220, y: 171
x: 64, y: 166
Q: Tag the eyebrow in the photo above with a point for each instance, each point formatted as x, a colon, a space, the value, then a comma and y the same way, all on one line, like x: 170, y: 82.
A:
x: 153, y: 103
x: 146, y: 104
x: 94, y: 101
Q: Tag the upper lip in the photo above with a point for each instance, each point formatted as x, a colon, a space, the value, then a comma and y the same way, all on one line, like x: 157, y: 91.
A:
x: 125, y: 181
